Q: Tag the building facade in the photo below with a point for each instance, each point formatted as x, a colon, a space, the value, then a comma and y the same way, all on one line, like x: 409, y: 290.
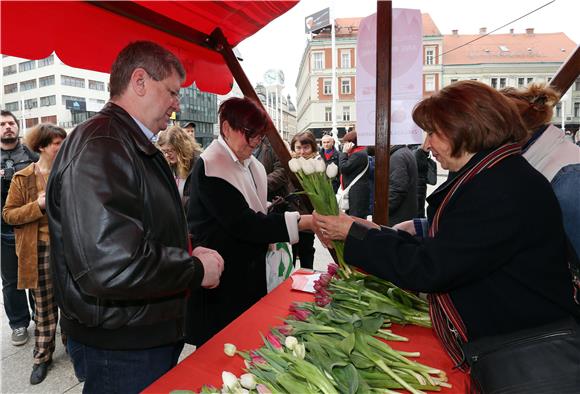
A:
x: 280, y: 108
x: 499, y: 60
x: 201, y: 108
x: 47, y: 90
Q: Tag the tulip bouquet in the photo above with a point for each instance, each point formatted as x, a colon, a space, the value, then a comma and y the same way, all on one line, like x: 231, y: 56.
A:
x: 315, y: 178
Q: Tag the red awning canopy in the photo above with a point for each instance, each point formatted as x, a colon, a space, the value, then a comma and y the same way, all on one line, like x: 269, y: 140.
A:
x: 89, y: 35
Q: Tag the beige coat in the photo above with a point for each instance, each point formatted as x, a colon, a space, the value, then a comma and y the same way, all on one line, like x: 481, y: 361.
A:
x: 22, y: 211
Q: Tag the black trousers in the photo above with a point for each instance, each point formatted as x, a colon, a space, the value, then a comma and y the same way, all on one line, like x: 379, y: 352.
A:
x: 15, y: 303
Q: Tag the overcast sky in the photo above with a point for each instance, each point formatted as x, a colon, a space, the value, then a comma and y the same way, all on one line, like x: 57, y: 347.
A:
x: 280, y: 45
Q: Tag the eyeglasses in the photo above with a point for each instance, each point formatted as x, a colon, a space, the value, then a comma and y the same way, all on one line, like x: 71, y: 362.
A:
x: 173, y: 93
x: 252, y: 135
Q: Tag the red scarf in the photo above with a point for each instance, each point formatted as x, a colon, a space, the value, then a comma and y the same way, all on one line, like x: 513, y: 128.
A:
x: 447, y: 322
x: 327, y: 156
x: 357, y: 149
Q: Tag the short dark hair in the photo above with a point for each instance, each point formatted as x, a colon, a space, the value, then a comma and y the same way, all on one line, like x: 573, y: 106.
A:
x: 244, y: 115
x: 8, y: 113
x: 153, y: 58
x: 472, y: 115
x: 305, y: 138
x: 350, y: 137
x: 42, y: 135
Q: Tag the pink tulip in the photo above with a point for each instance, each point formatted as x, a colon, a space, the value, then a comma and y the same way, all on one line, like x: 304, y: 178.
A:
x: 332, y: 269
x: 285, y: 330
x: 301, y: 314
x: 274, y: 341
x: 257, y: 359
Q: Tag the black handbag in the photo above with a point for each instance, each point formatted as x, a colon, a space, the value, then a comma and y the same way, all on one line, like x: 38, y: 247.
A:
x: 542, y: 360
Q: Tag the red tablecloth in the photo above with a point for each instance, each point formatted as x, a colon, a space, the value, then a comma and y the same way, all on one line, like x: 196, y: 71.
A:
x: 206, y: 364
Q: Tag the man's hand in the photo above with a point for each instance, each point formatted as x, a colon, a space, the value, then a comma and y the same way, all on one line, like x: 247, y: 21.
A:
x: 213, y: 266
x: 406, y: 226
x: 41, y: 200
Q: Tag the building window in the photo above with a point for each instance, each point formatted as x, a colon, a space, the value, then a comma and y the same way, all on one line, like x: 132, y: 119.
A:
x: 327, y: 86
x: 9, y: 70
x: 46, y: 81
x: 13, y: 106
x: 345, y: 113
x: 453, y: 80
x: 429, y: 55
x: 502, y: 82
x: 494, y: 83
x: 576, y: 110
x: 429, y: 83
x: 72, y: 81
x: 558, y: 110
x: 31, y: 103
x: 25, y: 66
x: 72, y: 98
x: 12, y: 88
x: 97, y: 85
x: 30, y: 122
x: 577, y: 85
x: 328, y: 114
x: 47, y: 101
x: 345, y: 58
x: 317, y: 60
x: 530, y: 80
x: 27, y: 85
x: 48, y: 119
x: 47, y: 61
x: 345, y: 86
x: 521, y: 82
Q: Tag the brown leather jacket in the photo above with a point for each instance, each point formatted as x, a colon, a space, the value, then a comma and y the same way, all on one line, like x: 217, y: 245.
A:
x: 22, y: 211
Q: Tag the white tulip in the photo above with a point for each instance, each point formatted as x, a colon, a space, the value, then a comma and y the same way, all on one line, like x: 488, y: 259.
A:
x: 290, y: 342
x: 294, y: 165
x: 307, y: 166
x: 320, y: 165
x: 299, y: 351
x: 331, y: 170
x: 230, y: 349
x: 229, y: 379
x: 248, y: 381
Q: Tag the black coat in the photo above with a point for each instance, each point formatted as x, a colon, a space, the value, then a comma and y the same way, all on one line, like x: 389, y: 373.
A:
x: 358, y: 195
x: 333, y: 159
x: 402, y: 185
x: 118, y: 237
x: 219, y: 218
x: 499, y: 252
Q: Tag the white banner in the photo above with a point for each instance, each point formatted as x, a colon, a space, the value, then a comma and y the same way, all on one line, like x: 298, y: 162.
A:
x: 406, y: 82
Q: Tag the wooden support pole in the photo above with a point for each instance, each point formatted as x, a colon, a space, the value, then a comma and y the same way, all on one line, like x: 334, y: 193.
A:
x: 568, y: 72
x: 383, y: 112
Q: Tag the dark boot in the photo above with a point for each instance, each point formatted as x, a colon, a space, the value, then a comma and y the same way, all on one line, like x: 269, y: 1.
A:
x: 39, y: 372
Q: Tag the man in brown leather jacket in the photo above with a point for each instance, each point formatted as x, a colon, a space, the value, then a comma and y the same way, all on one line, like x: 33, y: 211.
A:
x: 118, y: 232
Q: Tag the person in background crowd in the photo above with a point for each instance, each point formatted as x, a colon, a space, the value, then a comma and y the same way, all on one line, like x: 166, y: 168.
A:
x: 422, y: 161
x: 278, y: 182
x: 371, y: 153
x: 550, y: 152
x: 354, y: 160
x: 501, y: 298
x: 303, y: 144
x: 118, y: 235
x: 330, y: 155
x: 189, y: 128
x: 25, y: 209
x: 15, y: 157
x: 179, y: 151
x: 402, y: 185
x: 228, y: 212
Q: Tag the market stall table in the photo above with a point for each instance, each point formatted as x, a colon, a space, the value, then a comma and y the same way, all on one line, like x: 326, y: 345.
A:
x: 206, y: 364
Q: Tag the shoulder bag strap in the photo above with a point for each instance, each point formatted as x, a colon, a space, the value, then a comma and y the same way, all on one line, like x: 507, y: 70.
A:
x: 359, y: 176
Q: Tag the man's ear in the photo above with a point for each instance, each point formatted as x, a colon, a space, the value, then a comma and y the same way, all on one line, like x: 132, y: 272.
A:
x: 139, y: 77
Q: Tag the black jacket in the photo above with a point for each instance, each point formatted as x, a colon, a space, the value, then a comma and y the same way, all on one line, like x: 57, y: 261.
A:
x: 402, y: 185
x: 333, y: 159
x: 499, y: 252
x: 358, y: 195
x: 219, y: 218
x: 118, y: 237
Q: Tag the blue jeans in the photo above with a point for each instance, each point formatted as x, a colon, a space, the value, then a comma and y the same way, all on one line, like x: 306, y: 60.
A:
x: 15, y: 303
x: 121, y: 371
x: 566, y: 185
